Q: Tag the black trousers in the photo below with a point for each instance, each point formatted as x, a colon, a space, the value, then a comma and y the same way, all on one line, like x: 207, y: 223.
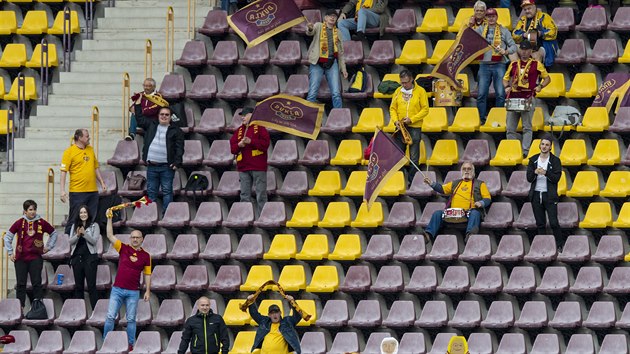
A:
x: 76, y: 200
x: 414, y: 150
x: 540, y: 205
x: 84, y: 270
x: 22, y: 270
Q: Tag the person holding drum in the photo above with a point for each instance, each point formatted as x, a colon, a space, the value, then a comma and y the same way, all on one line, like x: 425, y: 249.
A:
x: 467, y: 202
x: 493, y: 64
x: 540, y: 30
x: 521, y: 84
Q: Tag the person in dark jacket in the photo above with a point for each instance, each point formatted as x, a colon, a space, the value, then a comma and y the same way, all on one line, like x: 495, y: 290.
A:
x: 543, y: 172
x: 163, y: 151
x: 276, y: 334
x: 205, y: 332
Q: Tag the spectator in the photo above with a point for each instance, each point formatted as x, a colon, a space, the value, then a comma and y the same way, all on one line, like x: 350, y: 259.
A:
x: 479, y: 18
x: 163, y: 151
x: 27, y: 258
x: 133, y: 261
x: 250, y: 143
x: 539, y: 28
x: 365, y: 14
x: 467, y: 193
x: 147, y: 104
x: 389, y: 345
x: 208, y: 330
x: 275, y: 334
x: 323, y: 60
x: 84, y: 235
x: 80, y: 161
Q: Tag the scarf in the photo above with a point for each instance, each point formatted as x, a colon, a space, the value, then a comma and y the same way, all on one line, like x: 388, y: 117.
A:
x: 323, y: 43
x: 366, y: 4
x: 534, y: 22
x: 241, y: 133
x: 522, y: 76
x: 496, y: 40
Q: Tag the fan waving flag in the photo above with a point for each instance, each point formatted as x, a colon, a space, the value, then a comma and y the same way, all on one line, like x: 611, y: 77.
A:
x: 263, y: 19
x: 385, y: 159
x: 289, y: 114
x: 467, y: 47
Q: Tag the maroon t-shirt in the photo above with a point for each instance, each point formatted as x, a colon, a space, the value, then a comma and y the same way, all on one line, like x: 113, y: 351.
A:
x: 131, y: 263
x: 253, y: 156
x: 30, y: 247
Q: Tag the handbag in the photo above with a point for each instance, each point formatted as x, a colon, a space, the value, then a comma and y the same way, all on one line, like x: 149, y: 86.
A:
x: 37, y: 311
x: 135, y: 182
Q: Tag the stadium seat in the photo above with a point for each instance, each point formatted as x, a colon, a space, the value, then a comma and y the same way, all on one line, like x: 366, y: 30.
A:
x: 373, y: 344
x: 255, y: 56
x: 265, y: 87
x: 369, y: 218
x: 8, y: 22
x: 620, y: 21
x: 99, y: 313
x: 402, y: 314
x: 609, y: 249
x: 148, y: 342
x: 295, y: 184
x: 517, y: 186
x: 30, y: 89
x: 576, y: 249
x: 243, y: 342
x: 126, y: 154
x: 584, y: 85
x: 495, y: 121
x: 367, y: 93
x: 467, y: 315
x: 314, y: 342
x: 67, y: 283
x: 82, y: 342
x: 555, y: 88
x: 193, y: 55
x: 435, y: 20
x: 602, y: 315
x: 412, y: 248
x: 625, y: 57
x: 115, y: 342
x: 434, y: 315
x: 402, y: 22
x: 461, y: 18
x: 173, y: 87
x: 324, y: 280
x: 401, y: 216
x: 339, y: 121
x: 594, y: 19
x: 176, y: 216
x: 185, y: 248
x: 439, y: 51
x: 250, y: 247
x: 513, y: 343
x: 229, y: 184
x: 10, y: 312
x: 234, y: 88
x: 418, y: 188
x: 305, y: 214
x: 508, y: 153
x: 388, y: 77
x: 194, y: 279
x: 225, y: 54
x: 390, y: 279
x: 478, y: 249
x: 412, y: 343
x: 297, y: 85
x: 424, y: 280
x: 367, y: 314
x: 605, y: 52
x: 522, y: 281
x: 499, y: 216
x: 60, y: 251
x: 316, y: 153
x: 500, y: 315
x: 445, y: 153
x: 327, y: 184
x: 623, y: 220
x: 285, y: 153
x: 335, y: 314
x: 347, y: 248
x: 205, y: 88
x: 618, y: 282
x: 312, y: 16
x: 436, y: 121
x: 555, y: 281
x: 241, y: 215
x: 588, y: 281
x: 581, y: 343
x: 13, y: 56
x: 272, y: 216
x: 349, y: 153
x: 622, y: 121
x: 163, y: 278
x: 477, y: 151
x: 228, y: 279
x: 573, y: 52
x: 287, y: 54
x: 381, y: 53
x: 414, y: 52
x: 369, y: 119
x: 209, y: 215
x: 542, y: 249
x: 598, y: 216
x: 215, y: 24
x: 73, y: 314
x: 337, y: 215
x: 445, y: 248
x: 614, y: 343
x: 564, y: 19
x: 358, y: 279
x: 595, y: 120
x: 283, y: 247
x: 533, y: 315
x: 144, y: 315
x: 292, y: 278
x: 345, y: 342
x: 606, y: 153
x: 456, y: 280
x: 466, y: 120
x: 568, y: 315
x: 35, y: 22
x: 585, y: 185
x: 258, y: 274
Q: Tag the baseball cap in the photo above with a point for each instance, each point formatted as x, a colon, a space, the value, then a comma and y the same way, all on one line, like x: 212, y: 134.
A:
x: 491, y: 12
x: 274, y: 308
x: 527, y: 2
x: 525, y: 44
x: 246, y: 110
x: 331, y: 12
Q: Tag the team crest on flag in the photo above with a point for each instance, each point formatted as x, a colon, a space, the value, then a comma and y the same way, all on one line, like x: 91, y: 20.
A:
x: 289, y: 114
x: 611, y: 88
x: 384, y: 160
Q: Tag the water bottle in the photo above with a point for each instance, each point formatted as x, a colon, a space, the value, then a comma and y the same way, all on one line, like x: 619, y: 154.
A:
x: 59, y: 279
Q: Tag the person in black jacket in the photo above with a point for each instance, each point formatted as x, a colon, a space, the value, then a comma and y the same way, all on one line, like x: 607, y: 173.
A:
x: 543, y: 172
x: 205, y: 332
x: 163, y: 150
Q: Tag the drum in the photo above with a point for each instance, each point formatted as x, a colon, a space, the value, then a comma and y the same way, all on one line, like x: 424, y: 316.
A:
x: 518, y: 104
x: 446, y: 95
x: 455, y: 215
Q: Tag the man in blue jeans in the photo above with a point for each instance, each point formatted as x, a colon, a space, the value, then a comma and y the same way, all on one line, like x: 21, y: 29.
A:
x: 493, y: 64
x: 163, y: 151
x: 357, y: 15
x: 132, y: 261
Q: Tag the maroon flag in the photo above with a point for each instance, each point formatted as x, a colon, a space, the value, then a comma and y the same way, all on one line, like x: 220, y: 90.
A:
x: 610, y: 89
x: 262, y: 19
x: 624, y: 96
x: 385, y: 159
x: 289, y: 114
x: 467, y: 47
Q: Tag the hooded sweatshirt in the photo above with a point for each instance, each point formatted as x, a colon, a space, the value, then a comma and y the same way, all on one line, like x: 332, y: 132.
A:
x: 30, y: 238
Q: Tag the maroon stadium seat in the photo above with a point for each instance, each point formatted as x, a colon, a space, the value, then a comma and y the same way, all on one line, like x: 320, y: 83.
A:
x: 316, y: 153
x: 402, y: 314
x: 99, y: 313
x: 185, y: 248
x: 112, y: 254
x: 225, y: 54
x: 265, y: 87
x: 115, y: 342
x: 381, y: 53
x: 143, y: 315
x: 477, y: 151
x: 581, y: 343
x: 148, y: 342
x: 605, y: 51
x: 285, y: 153
x: 619, y: 282
x: 589, y: 280
x: 467, y: 315
x: 424, y: 280
x: 111, y: 183
x: 614, y: 343
x: 73, y: 314
x: 500, y: 315
x: 353, y: 53
x: 489, y: 280
x: 526, y: 218
x: 295, y: 184
x: 481, y: 343
x: 403, y: 21
x: 373, y: 345
x: 176, y: 216
x: 155, y: 245
x: 210, y: 176
x: 257, y: 55
x: 228, y: 279
x: 510, y: 249
x: 522, y: 281
x: 445, y: 247
x: 533, y: 315
x: 145, y: 217
x: 288, y: 53
x: 477, y: 249
x: 367, y: 314
x: 234, y: 88
x: 83, y: 342
x: 434, y: 315
x: 170, y: 314
x: 241, y: 215
x: 577, y: 249
x: 68, y: 279
x: 542, y: 250
x: 594, y: 19
x: 429, y: 208
x: 412, y: 249
x: 513, y: 343
x: 456, y: 280
x: 22, y: 342
x: 573, y: 51
x: 272, y: 216
x: 194, y: 280
x: 517, y: 186
x: 126, y: 192
x: 609, y: 249
x: 173, y: 87
x: 193, y: 55
x: 568, y: 315
x: 493, y: 182
x: 334, y: 315
x: 163, y: 278
x: 61, y: 251
x: 339, y: 121
x: 499, y: 216
x: 297, y: 85
x: 103, y: 277
x: 219, y: 154
x: 363, y: 95
x: 621, y: 21
x: 602, y: 315
x: 555, y: 281
x: 212, y: 121
x: 312, y: 16
x: 126, y: 154
x: 218, y: 247
x: 412, y: 343
x: 228, y: 186
x: 564, y: 19
x: 345, y: 342
x: 380, y: 248
x: 216, y: 24
x: 358, y: 279
x: 390, y: 279
x: 250, y: 247
x: 10, y: 312
x: 204, y: 88
x: 173, y: 343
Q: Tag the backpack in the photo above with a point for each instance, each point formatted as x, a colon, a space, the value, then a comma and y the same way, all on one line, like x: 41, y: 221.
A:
x: 197, y: 182
x: 357, y: 82
x: 37, y: 311
x: 564, y: 115
x: 388, y: 87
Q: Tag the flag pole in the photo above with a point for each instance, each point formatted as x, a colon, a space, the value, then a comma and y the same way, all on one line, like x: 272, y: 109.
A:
x: 405, y: 155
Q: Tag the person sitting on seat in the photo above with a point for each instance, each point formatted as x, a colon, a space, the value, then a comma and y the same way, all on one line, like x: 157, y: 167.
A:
x: 539, y: 29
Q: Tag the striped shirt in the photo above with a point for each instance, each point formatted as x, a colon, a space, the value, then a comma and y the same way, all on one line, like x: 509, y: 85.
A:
x: 157, y: 149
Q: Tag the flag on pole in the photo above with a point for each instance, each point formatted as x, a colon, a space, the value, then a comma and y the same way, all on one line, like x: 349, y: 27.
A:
x: 467, y: 47
x: 611, y: 88
x: 289, y: 114
x: 263, y: 19
x: 385, y: 159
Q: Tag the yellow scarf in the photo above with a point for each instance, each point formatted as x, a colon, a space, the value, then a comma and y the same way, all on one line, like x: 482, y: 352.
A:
x: 241, y: 134
x: 366, y: 4
x: 534, y: 22
x: 323, y: 42
x: 496, y: 40
x: 522, y: 76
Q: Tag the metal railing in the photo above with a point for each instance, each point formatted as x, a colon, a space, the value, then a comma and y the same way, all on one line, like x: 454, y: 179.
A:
x: 170, y: 38
x: 89, y: 18
x: 67, y: 37
x: 192, y: 11
x: 10, y: 140
x: 126, y: 96
x: 148, y: 59
x: 4, y: 274
x: 21, y: 105
x: 44, y: 71
x: 95, y: 129
x: 50, y: 196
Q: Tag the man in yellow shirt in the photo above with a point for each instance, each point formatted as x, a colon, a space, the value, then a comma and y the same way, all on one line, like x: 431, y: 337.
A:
x: 80, y: 161
x: 276, y: 334
x: 466, y: 193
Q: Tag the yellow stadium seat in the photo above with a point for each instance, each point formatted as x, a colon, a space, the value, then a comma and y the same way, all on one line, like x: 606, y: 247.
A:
x: 595, y: 120
x: 436, y: 121
x: 1, y: 87
x: 309, y: 307
x: 258, y: 274
x: 414, y: 52
x: 585, y: 185
x: 30, y: 89
x: 337, y: 215
x: 57, y: 27
x: 584, y: 85
x: 387, y: 77
x: 233, y: 316
x: 439, y: 51
x: 538, y: 120
x: 461, y: 19
x: 369, y: 219
x: 598, y: 216
x: 36, y: 58
x: 4, y: 116
x: 20, y: 1
x: 505, y: 19
x: 263, y: 308
x: 50, y: 1
x: 434, y: 21
x: 355, y: 186
x: 495, y: 121
x: 8, y: 22
x: 606, y: 153
x: 534, y: 149
x: 573, y: 152
x: 423, y: 153
x: 314, y: 248
x: 465, y: 85
x: 324, y: 280
x: 369, y: 119
x: 509, y: 153
x: 625, y: 58
x: 327, y: 184
x: 556, y: 87
x: 396, y: 185
x: 347, y: 248
x: 445, y: 153
x: 617, y: 185
x: 349, y: 152
x: 292, y: 278
x: 466, y: 120
x: 562, y: 184
x: 243, y: 342
x: 35, y: 22
x: 13, y: 56
x: 306, y: 214
x: 282, y: 247
x: 623, y: 220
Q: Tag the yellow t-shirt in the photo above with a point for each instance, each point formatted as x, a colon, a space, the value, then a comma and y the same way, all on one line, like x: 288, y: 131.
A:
x: 82, y: 165
x: 274, y: 342
x: 463, y: 197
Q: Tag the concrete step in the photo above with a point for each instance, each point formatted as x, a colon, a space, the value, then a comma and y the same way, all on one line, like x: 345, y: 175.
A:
x: 78, y: 77
x: 137, y: 55
x: 154, y: 3
x: 59, y: 100
x: 112, y: 44
x: 138, y: 34
x: 157, y: 13
x: 146, y: 24
x: 159, y: 66
x: 84, y: 111
x: 88, y: 89
x: 70, y: 124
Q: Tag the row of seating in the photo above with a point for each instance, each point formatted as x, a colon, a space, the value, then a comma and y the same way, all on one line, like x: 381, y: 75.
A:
x: 30, y: 88
x: 15, y: 56
x: 36, y: 23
